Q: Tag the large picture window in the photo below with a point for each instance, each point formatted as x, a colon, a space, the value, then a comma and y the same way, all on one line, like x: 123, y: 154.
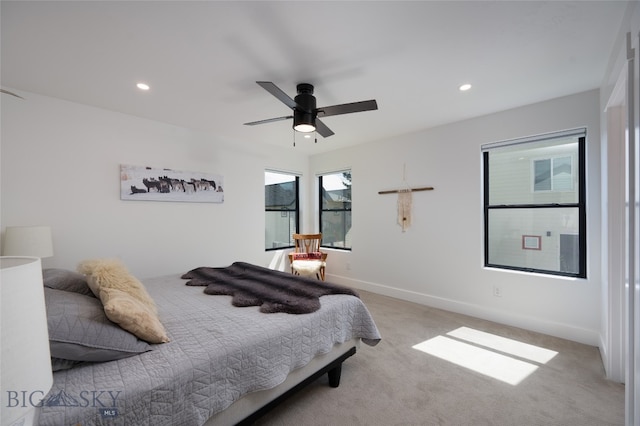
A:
x: 534, y: 204
x: 281, y: 209
x: 335, y: 209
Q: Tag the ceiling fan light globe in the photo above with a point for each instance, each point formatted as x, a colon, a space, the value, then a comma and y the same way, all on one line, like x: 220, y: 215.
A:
x: 304, y: 128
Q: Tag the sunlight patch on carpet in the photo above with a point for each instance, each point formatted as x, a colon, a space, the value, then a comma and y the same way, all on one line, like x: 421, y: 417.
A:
x: 502, y: 344
x: 494, y: 356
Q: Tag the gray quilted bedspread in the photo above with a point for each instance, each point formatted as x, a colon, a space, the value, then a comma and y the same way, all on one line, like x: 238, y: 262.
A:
x: 217, y: 354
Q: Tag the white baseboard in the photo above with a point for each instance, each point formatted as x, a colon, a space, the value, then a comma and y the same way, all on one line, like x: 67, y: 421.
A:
x: 564, y: 331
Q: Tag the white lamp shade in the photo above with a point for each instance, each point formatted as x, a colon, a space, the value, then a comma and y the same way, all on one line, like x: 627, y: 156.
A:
x: 25, y: 360
x: 28, y: 241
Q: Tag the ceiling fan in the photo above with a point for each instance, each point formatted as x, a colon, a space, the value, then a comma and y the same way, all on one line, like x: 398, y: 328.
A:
x: 6, y: 92
x: 306, y: 116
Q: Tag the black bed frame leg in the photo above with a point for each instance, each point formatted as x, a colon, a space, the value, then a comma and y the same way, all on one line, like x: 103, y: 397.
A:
x: 334, y: 376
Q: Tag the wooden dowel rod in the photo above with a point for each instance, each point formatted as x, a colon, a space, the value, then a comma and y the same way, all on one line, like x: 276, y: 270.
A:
x: 395, y: 191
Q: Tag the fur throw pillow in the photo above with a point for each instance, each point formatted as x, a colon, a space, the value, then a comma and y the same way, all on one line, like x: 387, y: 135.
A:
x: 124, y: 298
x: 111, y: 273
x: 132, y: 315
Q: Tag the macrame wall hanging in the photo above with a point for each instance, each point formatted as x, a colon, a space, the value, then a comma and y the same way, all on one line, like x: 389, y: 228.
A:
x: 405, y: 201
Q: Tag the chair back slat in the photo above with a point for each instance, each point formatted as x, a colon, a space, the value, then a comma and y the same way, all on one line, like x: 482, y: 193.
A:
x: 307, y: 243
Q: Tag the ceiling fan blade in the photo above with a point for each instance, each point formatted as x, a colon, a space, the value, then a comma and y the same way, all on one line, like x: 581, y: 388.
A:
x: 322, y: 128
x: 10, y: 93
x: 347, y: 108
x: 278, y: 93
x: 268, y: 120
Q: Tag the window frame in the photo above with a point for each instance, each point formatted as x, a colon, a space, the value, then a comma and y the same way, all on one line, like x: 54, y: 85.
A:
x: 580, y: 205
x: 321, y: 210
x: 295, y: 210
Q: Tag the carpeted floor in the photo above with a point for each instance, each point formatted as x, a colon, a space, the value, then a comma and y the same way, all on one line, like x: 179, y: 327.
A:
x: 510, y: 377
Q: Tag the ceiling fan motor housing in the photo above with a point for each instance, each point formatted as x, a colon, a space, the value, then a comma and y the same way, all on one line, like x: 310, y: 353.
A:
x: 305, y: 112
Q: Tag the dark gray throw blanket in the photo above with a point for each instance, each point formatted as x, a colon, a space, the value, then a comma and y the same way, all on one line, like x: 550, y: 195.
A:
x: 273, y: 291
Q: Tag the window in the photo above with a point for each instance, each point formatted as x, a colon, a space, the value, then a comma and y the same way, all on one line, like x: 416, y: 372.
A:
x: 534, y: 204
x: 335, y: 209
x: 553, y: 174
x: 281, y: 209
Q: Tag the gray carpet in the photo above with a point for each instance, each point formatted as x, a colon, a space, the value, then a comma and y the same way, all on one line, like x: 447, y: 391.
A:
x: 394, y: 384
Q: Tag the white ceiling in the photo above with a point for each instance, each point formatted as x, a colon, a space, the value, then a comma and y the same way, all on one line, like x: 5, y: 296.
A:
x: 202, y: 59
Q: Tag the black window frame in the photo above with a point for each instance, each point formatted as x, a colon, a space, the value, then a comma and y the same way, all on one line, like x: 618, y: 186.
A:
x: 580, y: 205
x: 295, y: 209
x: 321, y: 210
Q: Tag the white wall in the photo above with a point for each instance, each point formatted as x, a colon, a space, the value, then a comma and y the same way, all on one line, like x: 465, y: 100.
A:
x: 60, y: 167
x: 439, y: 260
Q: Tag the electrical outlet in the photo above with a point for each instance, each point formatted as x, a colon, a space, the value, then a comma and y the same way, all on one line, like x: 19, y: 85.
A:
x: 348, y: 266
x: 497, y: 291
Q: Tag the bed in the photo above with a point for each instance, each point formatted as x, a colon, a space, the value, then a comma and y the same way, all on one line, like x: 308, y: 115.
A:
x: 223, y: 364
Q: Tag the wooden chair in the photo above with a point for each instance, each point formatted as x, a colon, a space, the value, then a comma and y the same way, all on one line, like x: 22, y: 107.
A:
x: 306, y: 258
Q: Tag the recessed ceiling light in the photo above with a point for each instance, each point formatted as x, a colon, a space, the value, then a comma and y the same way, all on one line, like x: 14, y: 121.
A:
x: 465, y: 87
x: 142, y: 86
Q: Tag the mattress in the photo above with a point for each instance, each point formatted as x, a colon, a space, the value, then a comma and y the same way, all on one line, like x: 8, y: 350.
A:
x: 217, y: 354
